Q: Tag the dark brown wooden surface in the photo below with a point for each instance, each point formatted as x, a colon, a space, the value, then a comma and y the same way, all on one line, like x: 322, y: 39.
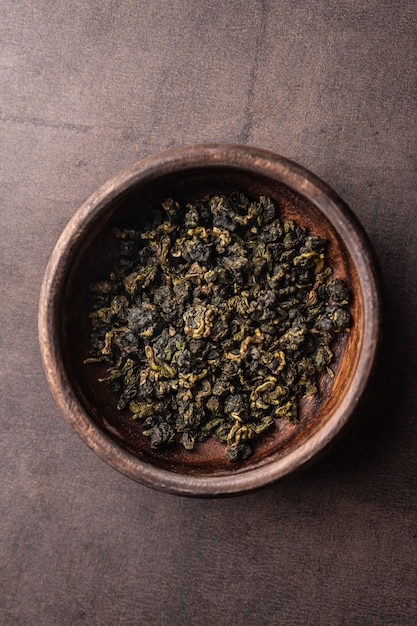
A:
x: 86, y: 89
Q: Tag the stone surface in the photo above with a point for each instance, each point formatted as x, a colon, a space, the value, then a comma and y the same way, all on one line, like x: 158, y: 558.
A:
x: 87, y: 88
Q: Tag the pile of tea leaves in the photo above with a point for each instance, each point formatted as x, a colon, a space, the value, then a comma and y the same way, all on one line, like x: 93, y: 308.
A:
x: 215, y: 320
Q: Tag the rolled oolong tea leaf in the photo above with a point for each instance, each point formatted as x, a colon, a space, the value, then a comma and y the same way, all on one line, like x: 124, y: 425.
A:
x: 216, y: 320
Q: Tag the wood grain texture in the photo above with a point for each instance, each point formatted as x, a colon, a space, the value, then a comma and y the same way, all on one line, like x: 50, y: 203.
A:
x: 89, y: 87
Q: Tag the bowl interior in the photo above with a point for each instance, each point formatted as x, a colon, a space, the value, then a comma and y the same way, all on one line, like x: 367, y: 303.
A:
x: 92, y: 262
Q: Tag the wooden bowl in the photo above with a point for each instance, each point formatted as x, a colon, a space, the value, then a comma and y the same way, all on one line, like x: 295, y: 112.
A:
x: 82, y: 252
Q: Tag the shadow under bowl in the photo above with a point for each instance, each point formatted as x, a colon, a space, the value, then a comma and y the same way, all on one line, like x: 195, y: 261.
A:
x: 83, y: 254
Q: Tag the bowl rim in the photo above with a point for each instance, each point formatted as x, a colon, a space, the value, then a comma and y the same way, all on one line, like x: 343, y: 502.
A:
x: 259, y: 162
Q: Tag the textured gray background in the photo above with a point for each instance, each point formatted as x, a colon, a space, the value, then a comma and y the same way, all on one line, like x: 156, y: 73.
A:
x: 86, y: 88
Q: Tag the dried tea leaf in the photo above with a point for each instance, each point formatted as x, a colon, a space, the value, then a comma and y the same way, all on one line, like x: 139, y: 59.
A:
x: 216, y: 320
